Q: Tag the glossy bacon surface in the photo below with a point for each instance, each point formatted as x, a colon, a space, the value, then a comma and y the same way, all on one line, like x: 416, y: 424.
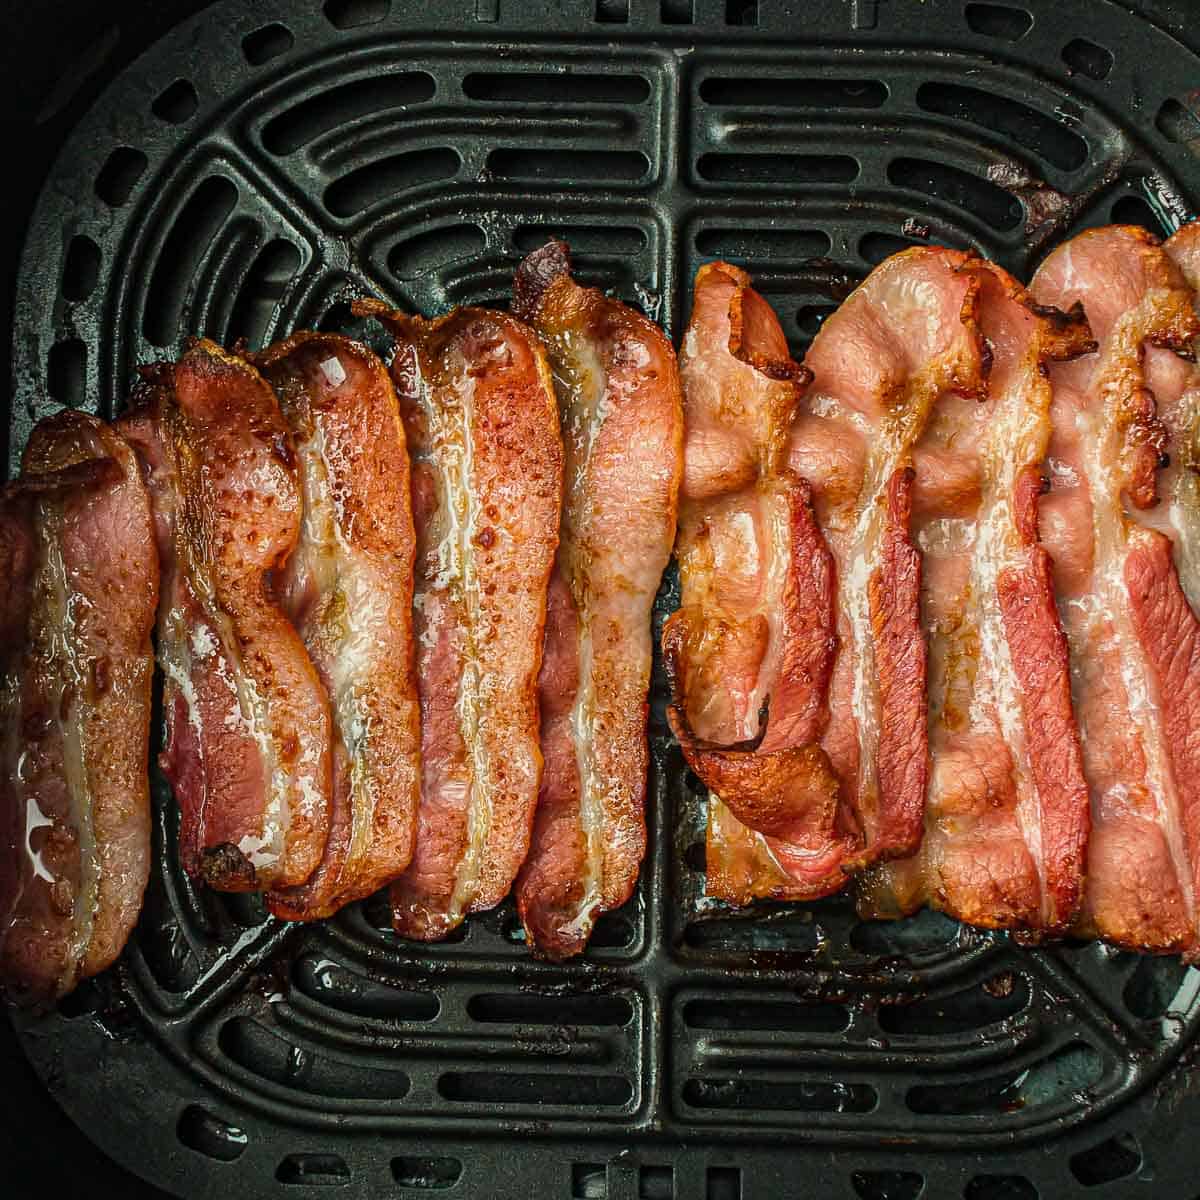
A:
x: 348, y: 590
x: 481, y: 420
x: 248, y: 750
x: 1007, y: 807
x: 1133, y: 636
x: 751, y: 648
x: 77, y: 600
x: 622, y: 422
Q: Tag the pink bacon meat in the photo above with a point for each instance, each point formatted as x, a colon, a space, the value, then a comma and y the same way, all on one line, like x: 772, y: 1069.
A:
x: 78, y: 591
x: 620, y: 407
x: 248, y: 750
x: 481, y: 420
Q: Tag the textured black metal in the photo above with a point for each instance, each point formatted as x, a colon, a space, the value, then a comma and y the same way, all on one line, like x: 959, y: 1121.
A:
x: 267, y: 161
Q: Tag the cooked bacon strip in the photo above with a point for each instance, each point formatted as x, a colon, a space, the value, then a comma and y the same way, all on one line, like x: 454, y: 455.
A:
x: 478, y: 407
x: 1007, y: 810
x: 1134, y: 640
x: 348, y: 590
x: 620, y: 406
x: 248, y: 722
x: 79, y: 588
x: 754, y: 634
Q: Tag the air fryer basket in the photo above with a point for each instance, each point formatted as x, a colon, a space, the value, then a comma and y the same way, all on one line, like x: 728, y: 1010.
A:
x: 268, y: 160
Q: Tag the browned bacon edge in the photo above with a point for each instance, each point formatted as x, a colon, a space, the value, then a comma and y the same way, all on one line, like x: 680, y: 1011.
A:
x: 619, y: 396
x: 478, y: 407
x: 248, y: 722
x: 75, y: 537
x: 348, y: 590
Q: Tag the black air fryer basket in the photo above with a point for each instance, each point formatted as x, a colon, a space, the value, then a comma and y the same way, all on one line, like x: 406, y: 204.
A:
x: 247, y: 168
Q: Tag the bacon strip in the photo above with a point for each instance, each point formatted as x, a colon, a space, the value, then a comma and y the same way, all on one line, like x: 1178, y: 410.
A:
x: 1007, y: 811
x: 478, y: 407
x: 1132, y: 634
x: 78, y: 590
x: 621, y: 411
x: 348, y: 590
x: 751, y: 649
x: 248, y: 750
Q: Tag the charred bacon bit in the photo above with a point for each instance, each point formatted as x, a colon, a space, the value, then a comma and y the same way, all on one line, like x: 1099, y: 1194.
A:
x: 77, y: 599
x: 348, y: 590
x: 1007, y: 809
x: 751, y: 650
x: 479, y: 413
x: 621, y: 411
x: 1118, y: 587
x: 248, y: 750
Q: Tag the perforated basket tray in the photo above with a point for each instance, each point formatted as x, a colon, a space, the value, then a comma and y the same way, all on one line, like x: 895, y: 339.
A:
x: 263, y: 163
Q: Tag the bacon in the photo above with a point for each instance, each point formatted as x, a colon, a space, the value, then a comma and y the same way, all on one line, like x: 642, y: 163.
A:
x: 248, y: 750
x: 1131, y: 631
x: 621, y: 413
x: 78, y: 590
x: 751, y: 649
x: 348, y: 590
x: 1007, y: 809
x: 478, y: 406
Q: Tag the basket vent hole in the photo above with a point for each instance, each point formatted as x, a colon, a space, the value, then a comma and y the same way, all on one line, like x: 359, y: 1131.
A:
x: 778, y: 169
x: 176, y: 104
x: 198, y: 223
x: 510, y: 1087
x: 119, y: 175
x: 741, y: 12
x: 696, y: 857
x: 777, y: 1016
x: 584, y: 166
x: 999, y: 21
x: 199, y: 1130
x: 1087, y: 58
x: 1067, y: 1073
x: 273, y: 269
x: 622, y: 240
x: 244, y: 909
x: 338, y: 987
x: 927, y: 932
x: 267, y: 43
x: 1153, y: 986
x: 1026, y: 126
x: 427, y: 252
x: 545, y: 87
x: 612, y: 12
x: 81, y: 269
x: 791, y: 1095
x: 810, y: 318
x: 426, y: 1174
x: 959, y: 1012
x: 349, y: 14
x: 887, y: 1185
x: 589, y: 1181
x: 1176, y: 122
x: 66, y: 372
x: 782, y: 92
x: 723, y: 1183
x: 387, y: 177
x: 982, y: 199
x: 695, y: 784
x: 1133, y: 210
x: 336, y: 107
x: 612, y: 931
x: 1112, y: 1159
x: 874, y: 247
x: 1000, y: 1187
x: 790, y: 935
x: 314, y: 1170
x: 773, y: 245
x: 677, y: 12
x: 524, y: 1008
x: 656, y: 1183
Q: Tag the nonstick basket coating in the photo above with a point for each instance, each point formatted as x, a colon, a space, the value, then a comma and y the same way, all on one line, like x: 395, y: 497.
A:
x: 264, y: 163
